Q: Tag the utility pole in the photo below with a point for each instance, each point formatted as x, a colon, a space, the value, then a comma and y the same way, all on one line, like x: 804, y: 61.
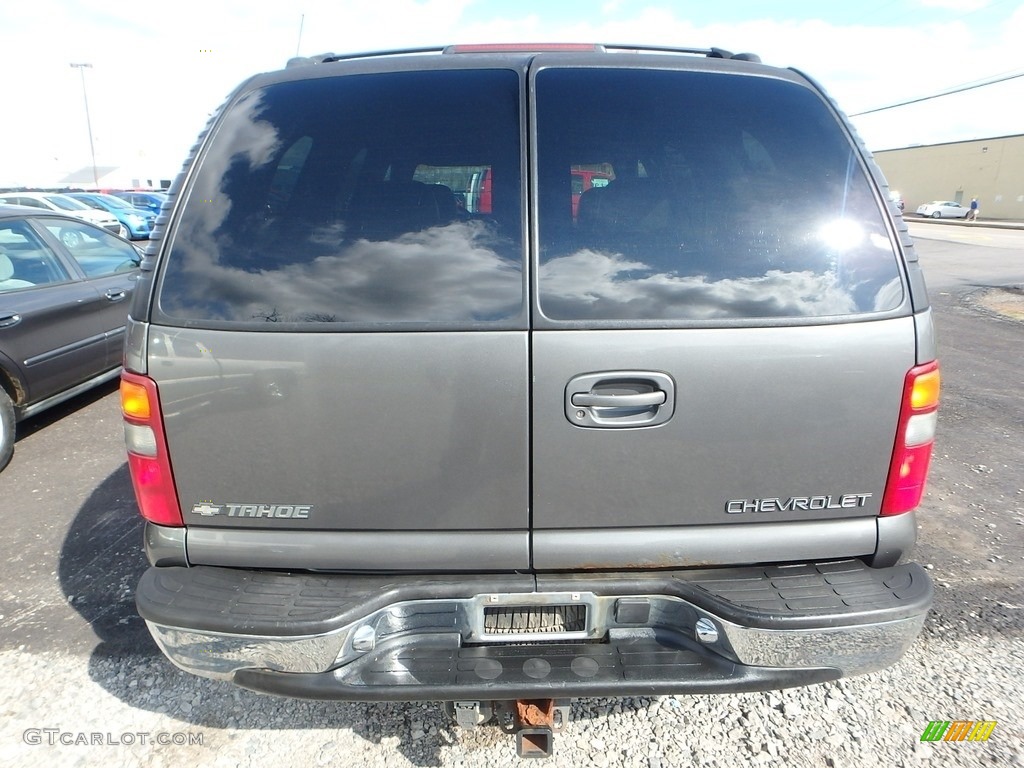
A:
x: 88, y: 122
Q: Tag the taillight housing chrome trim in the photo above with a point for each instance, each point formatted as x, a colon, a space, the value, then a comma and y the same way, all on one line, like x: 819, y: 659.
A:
x: 915, y: 438
x: 148, y: 459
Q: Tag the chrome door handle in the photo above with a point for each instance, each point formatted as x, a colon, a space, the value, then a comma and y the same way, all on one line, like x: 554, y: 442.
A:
x: 115, y: 294
x: 6, y: 321
x: 620, y: 399
x: 640, y: 400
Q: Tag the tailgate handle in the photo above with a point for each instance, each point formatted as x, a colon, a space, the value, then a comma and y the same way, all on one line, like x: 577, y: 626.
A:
x: 620, y: 399
x: 641, y: 400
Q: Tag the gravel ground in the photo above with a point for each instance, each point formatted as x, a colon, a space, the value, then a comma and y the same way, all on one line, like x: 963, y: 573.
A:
x: 965, y: 666
x: 1007, y: 301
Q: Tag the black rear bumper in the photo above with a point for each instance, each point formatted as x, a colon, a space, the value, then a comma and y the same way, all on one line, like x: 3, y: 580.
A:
x: 368, y: 637
x: 442, y: 671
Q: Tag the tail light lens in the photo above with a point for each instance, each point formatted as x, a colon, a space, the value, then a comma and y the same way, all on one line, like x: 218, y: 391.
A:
x: 147, y: 451
x: 915, y: 437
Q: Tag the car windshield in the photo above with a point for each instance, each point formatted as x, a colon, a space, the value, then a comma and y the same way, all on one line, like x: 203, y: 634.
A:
x: 67, y: 203
x: 117, y: 202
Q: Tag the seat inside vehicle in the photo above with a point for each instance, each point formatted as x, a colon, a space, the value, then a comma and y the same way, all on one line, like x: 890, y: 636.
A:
x: 635, y: 216
x: 8, y: 281
x: 383, y: 210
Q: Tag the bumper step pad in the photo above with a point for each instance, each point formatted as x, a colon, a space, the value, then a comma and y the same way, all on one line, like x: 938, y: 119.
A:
x: 813, y: 595
x: 648, y: 665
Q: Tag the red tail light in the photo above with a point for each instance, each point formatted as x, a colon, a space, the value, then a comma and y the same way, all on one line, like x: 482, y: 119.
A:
x: 915, y: 437
x: 147, y: 451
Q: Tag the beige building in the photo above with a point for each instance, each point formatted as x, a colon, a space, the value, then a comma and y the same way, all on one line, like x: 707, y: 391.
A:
x: 991, y: 170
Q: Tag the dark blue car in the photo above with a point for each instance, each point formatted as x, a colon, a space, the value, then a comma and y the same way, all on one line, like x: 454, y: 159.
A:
x: 148, y: 200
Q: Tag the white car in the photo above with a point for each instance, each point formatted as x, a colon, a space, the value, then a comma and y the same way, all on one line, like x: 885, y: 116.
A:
x: 943, y: 209
x: 55, y: 202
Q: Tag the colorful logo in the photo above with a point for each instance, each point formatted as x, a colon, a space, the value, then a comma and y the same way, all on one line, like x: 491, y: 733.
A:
x: 959, y: 730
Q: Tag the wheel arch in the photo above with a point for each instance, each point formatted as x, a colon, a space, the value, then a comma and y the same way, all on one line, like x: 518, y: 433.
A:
x: 11, y: 382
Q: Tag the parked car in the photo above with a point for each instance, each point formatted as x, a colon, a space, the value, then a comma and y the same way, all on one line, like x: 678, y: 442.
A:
x: 498, y: 457
x: 943, y: 209
x: 150, y: 201
x: 138, y: 222
x: 52, y: 201
x: 62, y: 311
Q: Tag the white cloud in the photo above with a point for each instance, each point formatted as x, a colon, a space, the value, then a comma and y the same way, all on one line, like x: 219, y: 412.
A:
x: 442, y: 273
x: 589, y: 284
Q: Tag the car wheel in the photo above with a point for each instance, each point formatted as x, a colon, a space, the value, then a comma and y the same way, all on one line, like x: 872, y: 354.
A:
x: 936, y: 214
x: 6, y: 428
x: 70, y: 238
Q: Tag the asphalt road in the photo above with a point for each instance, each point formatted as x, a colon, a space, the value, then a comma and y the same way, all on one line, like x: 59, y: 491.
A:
x: 72, y: 538
x: 972, y: 520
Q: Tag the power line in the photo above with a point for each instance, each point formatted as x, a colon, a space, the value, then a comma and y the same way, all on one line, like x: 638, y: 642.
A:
x: 948, y: 92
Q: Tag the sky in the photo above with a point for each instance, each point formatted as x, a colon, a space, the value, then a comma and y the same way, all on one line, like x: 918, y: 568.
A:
x: 160, y: 69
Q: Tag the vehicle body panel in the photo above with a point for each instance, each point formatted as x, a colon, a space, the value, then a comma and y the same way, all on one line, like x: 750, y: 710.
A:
x: 61, y: 338
x: 389, y: 432
x: 71, y: 324
x: 444, y: 396
x: 746, y: 425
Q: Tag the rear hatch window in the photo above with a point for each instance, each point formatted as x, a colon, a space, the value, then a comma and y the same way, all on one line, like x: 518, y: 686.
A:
x: 696, y: 196
x: 364, y: 199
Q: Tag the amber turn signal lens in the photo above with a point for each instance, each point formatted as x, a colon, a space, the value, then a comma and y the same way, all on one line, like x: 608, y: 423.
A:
x: 925, y: 393
x: 134, y: 400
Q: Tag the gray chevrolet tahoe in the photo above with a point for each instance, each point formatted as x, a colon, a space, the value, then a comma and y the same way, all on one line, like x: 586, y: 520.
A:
x: 412, y: 417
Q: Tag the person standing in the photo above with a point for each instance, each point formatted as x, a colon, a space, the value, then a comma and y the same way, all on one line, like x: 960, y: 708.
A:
x: 973, y: 214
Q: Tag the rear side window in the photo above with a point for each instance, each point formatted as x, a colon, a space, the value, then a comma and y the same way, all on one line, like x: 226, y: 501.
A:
x: 97, y: 252
x: 364, y: 199
x: 691, y: 196
x: 25, y: 261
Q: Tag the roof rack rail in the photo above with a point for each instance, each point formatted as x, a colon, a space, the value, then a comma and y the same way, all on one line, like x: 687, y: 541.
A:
x: 711, y: 53
x: 327, y: 58
x: 523, y: 47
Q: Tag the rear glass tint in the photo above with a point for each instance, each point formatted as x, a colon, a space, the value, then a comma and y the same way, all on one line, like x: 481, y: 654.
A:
x: 696, y: 196
x: 363, y: 199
